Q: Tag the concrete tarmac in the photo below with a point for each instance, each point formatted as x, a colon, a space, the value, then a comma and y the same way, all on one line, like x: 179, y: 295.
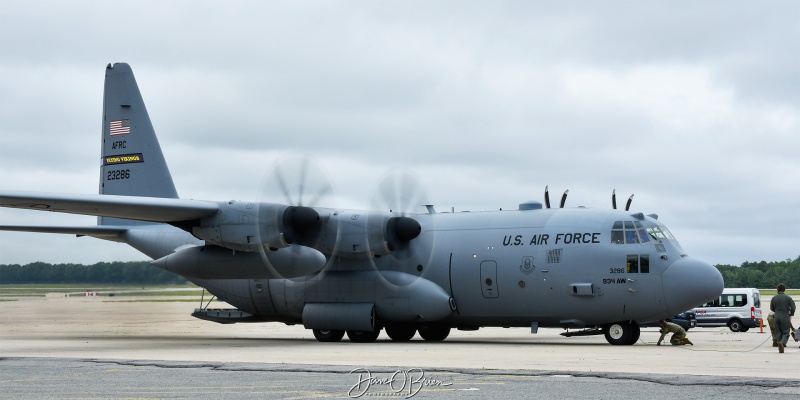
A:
x: 134, y: 347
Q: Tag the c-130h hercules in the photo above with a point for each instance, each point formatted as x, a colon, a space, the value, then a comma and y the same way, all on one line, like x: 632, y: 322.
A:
x: 597, y: 271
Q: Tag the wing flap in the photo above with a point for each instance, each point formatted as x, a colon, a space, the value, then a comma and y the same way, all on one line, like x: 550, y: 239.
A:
x: 153, y: 209
x: 94, y: 230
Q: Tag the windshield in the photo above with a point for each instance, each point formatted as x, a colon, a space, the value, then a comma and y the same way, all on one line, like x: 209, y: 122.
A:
x: 660, y: 233
x: 628, y: 232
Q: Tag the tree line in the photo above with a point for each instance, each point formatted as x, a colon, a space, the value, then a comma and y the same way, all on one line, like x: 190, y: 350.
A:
x: 134, y: 273
x: 762, y: 274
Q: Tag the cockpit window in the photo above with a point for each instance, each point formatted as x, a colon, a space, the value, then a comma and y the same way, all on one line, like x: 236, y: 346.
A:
x: 628, y: 224
x: 628, y: 232
x: 660, y: 233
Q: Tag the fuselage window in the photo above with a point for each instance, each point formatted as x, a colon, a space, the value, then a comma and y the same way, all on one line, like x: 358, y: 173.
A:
x: 638, y: 263
x: 633, y: 263
x: 644, y: 263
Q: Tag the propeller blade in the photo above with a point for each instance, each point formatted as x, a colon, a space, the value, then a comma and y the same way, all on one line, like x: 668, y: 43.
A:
x: 278, y: 173
x: 302, y: 186
x: 564, y: 198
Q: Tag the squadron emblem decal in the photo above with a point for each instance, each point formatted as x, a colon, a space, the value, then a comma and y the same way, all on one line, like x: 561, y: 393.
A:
x: 527, y: 265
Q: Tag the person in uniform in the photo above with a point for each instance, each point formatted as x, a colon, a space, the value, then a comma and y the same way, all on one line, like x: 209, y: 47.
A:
x: 771, y: 322
x: 784, y: 308
x: 678, y: 334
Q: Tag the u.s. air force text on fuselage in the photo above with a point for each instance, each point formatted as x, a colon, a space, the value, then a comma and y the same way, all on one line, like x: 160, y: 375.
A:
x: 560, y: 238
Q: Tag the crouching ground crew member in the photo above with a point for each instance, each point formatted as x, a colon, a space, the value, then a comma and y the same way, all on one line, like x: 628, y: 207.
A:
x: 771, y: 322
x: 678, y: 334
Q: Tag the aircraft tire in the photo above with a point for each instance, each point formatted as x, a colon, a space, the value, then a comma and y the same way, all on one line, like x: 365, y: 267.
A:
x: 363, y: 336
x: 400, y: 333
x: 324, y: 335
x: 621, y: 333
x: 434, y: 333
x: 635, y: 333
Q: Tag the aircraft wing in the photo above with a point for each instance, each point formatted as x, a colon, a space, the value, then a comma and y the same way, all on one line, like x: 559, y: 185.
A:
x: 153, y: 209
x: 94, y: 230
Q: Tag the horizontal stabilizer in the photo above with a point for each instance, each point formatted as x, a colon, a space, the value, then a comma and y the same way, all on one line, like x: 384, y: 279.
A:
x: 153, y: 209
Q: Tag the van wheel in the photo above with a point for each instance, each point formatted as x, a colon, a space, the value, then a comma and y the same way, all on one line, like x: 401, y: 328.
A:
x: 736, y: 325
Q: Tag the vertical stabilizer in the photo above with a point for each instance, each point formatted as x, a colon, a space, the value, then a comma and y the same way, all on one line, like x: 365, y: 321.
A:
x: 132, y: 163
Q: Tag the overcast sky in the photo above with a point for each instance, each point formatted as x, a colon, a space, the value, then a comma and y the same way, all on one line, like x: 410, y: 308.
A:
x: 693, y: 106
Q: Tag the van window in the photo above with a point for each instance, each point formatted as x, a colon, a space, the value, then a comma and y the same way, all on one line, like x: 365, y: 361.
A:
x: 732, y: 300
x: 712, y: 303
x: 757, y: 299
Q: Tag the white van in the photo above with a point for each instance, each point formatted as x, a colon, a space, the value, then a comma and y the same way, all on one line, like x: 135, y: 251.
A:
x: 737, y: 308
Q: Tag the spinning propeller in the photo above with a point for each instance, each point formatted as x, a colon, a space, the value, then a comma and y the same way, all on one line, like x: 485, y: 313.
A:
x: 286, y: 215
x: 296, y: 221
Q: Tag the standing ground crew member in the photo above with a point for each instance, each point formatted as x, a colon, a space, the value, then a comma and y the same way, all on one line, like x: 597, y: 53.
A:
x: 678, y: 334
x: 784, y: 307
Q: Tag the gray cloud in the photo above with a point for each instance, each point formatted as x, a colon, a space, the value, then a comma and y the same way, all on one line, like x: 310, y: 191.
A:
x: 692, y: 106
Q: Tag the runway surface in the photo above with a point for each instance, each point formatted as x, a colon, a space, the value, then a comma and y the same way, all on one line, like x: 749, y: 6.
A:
x: 124, y: 347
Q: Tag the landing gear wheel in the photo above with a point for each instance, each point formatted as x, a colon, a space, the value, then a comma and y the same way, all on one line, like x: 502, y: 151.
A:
x: 622, y: 333
x: 363, y: 336
x: 400, y: 333
x: 434, y: 333
x: 635, y: 333
x: 324, y: 335
x: 735, y: 325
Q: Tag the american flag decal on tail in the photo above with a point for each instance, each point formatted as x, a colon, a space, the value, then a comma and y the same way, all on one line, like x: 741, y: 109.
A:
x: 120, y: 127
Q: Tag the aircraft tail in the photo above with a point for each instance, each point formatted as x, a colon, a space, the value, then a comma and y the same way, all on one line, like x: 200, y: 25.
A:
x: 132, y: 163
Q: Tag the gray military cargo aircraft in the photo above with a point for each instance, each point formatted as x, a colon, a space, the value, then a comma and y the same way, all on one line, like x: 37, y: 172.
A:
x: 586, y: 270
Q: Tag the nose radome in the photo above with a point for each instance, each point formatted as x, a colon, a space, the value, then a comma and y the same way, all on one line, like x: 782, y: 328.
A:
x: 689, y: 283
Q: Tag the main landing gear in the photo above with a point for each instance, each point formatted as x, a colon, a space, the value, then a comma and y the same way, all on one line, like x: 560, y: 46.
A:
x: 622, y: 333
x: 398, y: 333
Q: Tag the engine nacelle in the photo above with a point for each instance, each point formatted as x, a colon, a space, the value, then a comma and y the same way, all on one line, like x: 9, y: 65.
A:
x: 214, y: 262
x: 244, y: 226
x: 251, y: 227
x: 362, y: 234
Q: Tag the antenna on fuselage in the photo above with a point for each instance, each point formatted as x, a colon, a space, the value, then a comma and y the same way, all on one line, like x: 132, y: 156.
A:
x: 546, y: 197
x: 614, y: 200
x: 628, y: 205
